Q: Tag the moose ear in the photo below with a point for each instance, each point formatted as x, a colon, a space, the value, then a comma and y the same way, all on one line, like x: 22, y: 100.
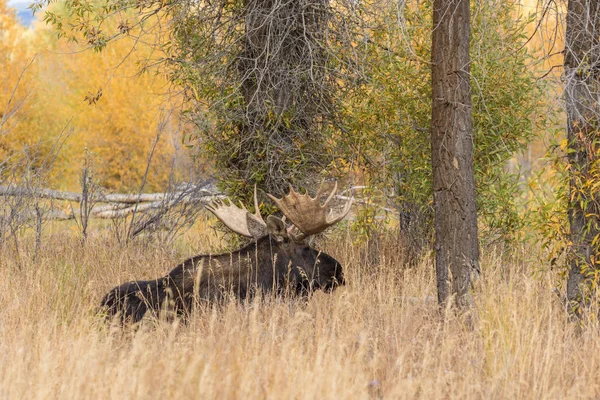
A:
x: 276, y: 228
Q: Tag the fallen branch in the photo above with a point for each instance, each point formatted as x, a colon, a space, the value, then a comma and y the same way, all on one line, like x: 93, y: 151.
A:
x: 120, y: 205
x: 104, y: 198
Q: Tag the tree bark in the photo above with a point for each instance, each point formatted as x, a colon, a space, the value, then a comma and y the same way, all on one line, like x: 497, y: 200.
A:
x: 457, y: 246
x: 287, y: 90
x: 582, y: 95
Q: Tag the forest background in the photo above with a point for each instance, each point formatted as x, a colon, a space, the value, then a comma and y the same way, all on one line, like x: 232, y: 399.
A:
x: 53, y: 78
x: 112, y: 102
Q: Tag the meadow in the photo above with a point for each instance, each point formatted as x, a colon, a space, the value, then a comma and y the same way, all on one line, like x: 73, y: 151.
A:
x: 380, y: 336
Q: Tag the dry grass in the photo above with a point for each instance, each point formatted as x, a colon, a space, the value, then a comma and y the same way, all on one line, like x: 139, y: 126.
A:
x: 381, y: 336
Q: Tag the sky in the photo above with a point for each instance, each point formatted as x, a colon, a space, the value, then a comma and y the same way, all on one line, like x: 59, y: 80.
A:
x: 19, y: 4
x: 24, y: 14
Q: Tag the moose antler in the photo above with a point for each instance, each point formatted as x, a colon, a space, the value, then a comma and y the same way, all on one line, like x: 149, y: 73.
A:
x: 307, y: 214
x: 240, y: 220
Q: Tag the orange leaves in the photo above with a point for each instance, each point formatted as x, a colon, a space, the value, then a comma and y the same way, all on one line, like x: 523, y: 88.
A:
x: 92, y: 98
x: 127, y: 110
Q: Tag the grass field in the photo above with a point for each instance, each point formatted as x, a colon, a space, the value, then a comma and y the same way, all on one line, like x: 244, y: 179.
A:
x: 380, y: 336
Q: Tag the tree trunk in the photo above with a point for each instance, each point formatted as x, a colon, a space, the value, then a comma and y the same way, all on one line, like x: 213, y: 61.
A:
x: 287, y: 92
x: 457, y: 246
x: 582, y: 72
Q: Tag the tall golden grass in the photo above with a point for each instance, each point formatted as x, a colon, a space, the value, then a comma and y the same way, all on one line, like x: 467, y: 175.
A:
x: 380, y: 336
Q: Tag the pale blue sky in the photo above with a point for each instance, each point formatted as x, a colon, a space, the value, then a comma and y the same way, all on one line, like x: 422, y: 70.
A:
x: 23, y: 13
x: 19, y: 4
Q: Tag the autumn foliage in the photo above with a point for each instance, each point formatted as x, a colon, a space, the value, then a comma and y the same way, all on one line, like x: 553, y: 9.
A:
x: 96, y: 102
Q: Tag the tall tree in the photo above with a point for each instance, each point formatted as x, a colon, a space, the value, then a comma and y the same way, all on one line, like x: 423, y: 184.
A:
x: 457, y: 245
x: 582, y: 91
x: 283, y: 69
x: 262, y: 79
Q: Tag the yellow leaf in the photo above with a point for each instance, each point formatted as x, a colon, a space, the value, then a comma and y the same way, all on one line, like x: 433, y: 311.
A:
x: 563, y: 144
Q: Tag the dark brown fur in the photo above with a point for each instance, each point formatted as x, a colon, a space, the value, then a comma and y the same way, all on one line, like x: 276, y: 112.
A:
x: 271, y: 264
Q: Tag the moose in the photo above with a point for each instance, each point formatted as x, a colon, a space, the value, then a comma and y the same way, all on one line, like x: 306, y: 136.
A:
x: 278, y: 260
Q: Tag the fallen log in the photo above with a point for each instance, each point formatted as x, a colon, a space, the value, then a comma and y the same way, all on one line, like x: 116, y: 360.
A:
x: 101, y: 198
x: 119, y: 205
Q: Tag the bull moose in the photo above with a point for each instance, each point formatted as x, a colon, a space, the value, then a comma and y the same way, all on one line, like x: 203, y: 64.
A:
x: 278, y: 260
